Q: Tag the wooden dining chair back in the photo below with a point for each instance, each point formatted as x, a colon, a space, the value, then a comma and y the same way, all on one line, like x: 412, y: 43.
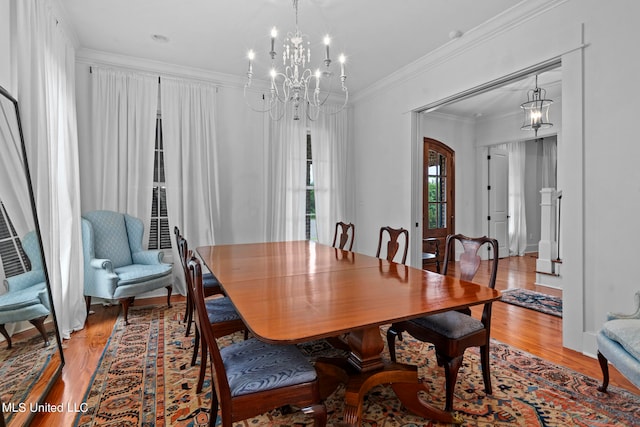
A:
x: 452, y: 332
x: 345, y: 237
x: 211, y: 284
x: 219, y: 310
x: 395, y: 235
x: 431, y: 253
x: 252, y: 377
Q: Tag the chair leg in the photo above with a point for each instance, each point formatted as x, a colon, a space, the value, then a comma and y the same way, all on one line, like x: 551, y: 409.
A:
x: 392, y: 334
x: 319, y: 414
x: 169, y: 289
x: 604, y: 366
x: 4, y: 333
x: 204, y: 361
x: 39, y: 324
x: 486, y: 374
x: 213, y: 413
x: 126, y: 302
x: 87, y: 302
x: 196, y: 344
x: 186, y: 310
x: 451, y: 367
x: 188, y: 316
x: 437, y: 266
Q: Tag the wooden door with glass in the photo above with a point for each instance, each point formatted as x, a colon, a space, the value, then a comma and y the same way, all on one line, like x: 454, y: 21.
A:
x: 438, y: 201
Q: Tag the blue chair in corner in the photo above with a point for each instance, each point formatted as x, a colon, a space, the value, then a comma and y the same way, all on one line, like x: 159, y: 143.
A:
x: 115, y: 264
x: 27, y: 298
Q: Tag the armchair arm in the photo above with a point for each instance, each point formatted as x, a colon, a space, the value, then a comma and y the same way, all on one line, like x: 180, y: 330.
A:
x: 102, y: 264
x: 635, y: 315
x: 44, y: 299
x: 148, y: 257
x: 24, y: 280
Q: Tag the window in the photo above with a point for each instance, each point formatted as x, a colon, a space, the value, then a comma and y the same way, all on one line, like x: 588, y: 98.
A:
x: 311, y: 232
x: 159, y: 234
x: 14, y: 260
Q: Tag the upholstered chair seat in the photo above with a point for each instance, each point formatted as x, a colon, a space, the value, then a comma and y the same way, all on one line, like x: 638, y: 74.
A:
x: 26, y: 297
x: 116, y: 265
x: 221, y: 310
x: 249, y: 363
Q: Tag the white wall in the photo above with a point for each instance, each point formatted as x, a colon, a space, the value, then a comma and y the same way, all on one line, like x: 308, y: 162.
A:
x: 599, y: 265
x: 240, y: 136
x: 5, y: 45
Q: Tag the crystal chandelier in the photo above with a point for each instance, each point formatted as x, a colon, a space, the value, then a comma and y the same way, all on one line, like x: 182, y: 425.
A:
x: 296, y: 84
x: 536, y: 110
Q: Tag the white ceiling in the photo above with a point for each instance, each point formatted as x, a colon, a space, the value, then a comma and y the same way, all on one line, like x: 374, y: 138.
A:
x: 377, y: 36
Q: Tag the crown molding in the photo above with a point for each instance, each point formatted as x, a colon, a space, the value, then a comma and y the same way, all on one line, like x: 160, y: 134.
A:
x: 524, y: 11
x: 108, y: 59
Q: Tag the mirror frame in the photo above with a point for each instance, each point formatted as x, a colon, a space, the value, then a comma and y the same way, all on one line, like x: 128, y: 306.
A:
x: 47, y: 378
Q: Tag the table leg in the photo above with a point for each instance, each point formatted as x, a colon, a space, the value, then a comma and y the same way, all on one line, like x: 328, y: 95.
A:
x: 366, y: 369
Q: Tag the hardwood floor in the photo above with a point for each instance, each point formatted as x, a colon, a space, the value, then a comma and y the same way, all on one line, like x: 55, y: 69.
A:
x: 537, y: 333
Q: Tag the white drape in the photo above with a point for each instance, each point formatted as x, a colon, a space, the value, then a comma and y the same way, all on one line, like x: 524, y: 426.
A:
x: 45, y: 73
x: 189, y: 137
x: 124, y: 107
x: 286, y: 179
x: 517, y: 212
x: 333, y: 180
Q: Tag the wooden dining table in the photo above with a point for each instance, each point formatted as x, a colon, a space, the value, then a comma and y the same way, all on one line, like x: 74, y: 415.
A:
x: 300, y: 291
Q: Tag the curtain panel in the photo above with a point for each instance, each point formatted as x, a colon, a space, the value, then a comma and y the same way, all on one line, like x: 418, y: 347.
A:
x: 119, y: 174
x: 188, y: 112
x: 286, y: 179
x: 45, y: 70
x: 333, y: 179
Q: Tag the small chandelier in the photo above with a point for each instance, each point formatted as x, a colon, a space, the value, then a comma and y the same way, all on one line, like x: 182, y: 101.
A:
x: 536, y: 110
x: 297, y: 85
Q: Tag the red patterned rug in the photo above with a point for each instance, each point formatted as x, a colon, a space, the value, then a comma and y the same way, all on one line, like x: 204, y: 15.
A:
x: 145, y: 379
x: 20, y: 368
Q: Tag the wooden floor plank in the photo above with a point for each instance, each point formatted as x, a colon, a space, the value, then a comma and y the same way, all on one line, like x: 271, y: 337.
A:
x: 537, y: 333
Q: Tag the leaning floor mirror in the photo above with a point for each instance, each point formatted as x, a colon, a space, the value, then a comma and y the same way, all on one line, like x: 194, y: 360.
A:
x: 31, y: 357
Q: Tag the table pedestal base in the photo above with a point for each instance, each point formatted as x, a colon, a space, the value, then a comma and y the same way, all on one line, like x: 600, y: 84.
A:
x: 402, y: 378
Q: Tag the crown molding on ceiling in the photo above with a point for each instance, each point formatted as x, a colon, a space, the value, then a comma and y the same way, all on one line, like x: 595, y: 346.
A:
x: 496, y: 26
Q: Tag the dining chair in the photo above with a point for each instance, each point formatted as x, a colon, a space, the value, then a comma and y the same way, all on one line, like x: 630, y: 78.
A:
x: 219, y: 311
x: 211, y: 284
x: 393, y: 245
x: 347, y: 235
x: 431, y: 252
x: 452, y: 332
x: 252, y: 377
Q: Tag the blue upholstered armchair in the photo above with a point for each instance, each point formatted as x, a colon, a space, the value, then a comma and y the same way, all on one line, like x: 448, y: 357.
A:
x: 115, y: 265
x: 619, y: 344
x: 27, y: 298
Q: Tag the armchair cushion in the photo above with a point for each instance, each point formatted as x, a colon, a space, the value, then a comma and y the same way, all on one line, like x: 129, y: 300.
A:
x: 626, y: 332
x: 136, y: 273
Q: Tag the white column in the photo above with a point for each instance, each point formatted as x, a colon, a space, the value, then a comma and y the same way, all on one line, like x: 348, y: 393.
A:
x: 547, y: 247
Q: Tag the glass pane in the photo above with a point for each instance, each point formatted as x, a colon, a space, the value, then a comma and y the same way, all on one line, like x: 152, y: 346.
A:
x: 443, y: 190
x: 434, y: 189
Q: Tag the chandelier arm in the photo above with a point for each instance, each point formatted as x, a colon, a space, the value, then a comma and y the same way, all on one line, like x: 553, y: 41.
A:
x: 257, y: 110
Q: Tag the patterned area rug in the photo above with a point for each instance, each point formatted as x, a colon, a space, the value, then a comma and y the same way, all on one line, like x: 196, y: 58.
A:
x: 533, y: 300
x: 145, y: 379
x: 21, y: 367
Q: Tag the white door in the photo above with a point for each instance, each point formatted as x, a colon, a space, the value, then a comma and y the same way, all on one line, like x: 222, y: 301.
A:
x: 499, y: 199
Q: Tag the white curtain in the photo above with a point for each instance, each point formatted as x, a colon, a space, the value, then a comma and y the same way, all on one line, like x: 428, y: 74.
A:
x: 517, y: 212
x: 189, y: 137
x: 46, y: 95
x: 124, y: 107
x: 332, y: 177
x: 286, y: 179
